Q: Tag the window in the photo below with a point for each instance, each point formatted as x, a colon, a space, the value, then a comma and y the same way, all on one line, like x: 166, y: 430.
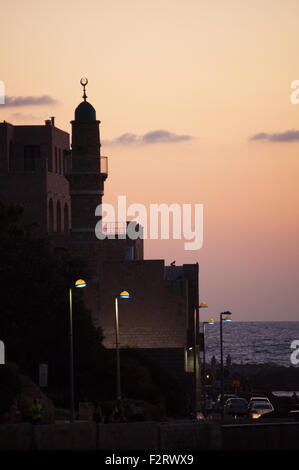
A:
x: 66, y: 160
x: 55, y: 159
x: 58, y: 215
x: 31, y: 154
x: 66, y: 218
x: 60, y: 161
x: 50, y: 162
x: 51, y: 216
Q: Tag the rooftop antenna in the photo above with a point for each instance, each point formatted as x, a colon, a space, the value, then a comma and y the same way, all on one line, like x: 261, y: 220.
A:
x: 84, y: 82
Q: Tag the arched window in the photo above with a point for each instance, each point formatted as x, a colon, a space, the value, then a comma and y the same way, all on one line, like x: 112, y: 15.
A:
x: 66, y: 218
x: 58, y: 217
x: 51, y: 216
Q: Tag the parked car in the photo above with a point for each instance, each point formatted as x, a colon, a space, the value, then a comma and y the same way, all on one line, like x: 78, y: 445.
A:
x: 259, y: 409
x: 226, y: 396
x: 294, y: 414
x: 257, y: 400
x: 236, y: 407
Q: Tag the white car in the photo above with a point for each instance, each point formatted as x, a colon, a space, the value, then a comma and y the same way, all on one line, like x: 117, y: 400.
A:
x: 258, y: 400
x: 260, y: 408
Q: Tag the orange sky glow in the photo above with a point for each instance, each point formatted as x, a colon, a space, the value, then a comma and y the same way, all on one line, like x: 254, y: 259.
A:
x: 217, y: 72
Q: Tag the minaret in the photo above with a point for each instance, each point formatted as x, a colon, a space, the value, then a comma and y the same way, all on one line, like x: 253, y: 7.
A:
x: 85, y: 176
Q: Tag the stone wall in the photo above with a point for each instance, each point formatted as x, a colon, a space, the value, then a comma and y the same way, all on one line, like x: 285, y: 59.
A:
x: 37, y: 187
x: 156, y: 314
x: 150, y: 436
x: 261, y: 436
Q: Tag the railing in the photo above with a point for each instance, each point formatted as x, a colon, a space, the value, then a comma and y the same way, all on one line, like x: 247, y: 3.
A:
x: 117, y: 228
x: 104, y: 165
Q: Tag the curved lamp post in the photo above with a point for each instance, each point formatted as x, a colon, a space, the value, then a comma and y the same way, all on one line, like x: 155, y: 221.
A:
x: 78, y: 284
x: 226, y: 318
x: 123, y: 295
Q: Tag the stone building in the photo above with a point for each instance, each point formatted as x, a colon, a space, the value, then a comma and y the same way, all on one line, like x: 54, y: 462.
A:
x: 60, y: 185
x: 33, y: 164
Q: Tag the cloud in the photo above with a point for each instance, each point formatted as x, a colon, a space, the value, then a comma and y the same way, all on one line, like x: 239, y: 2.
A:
x: 153, y: 137
x: 126, y: 139
x: 287, y: 136
x: 25, y: 117
x: 163, y: 136
x: 14, y: 101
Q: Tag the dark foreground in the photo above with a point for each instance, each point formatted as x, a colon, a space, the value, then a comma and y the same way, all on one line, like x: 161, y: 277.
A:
x: 175, y: 436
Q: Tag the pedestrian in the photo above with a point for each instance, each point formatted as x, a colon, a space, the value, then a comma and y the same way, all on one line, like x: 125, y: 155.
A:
x: 13, y: 416
x: 98, y: 415
x: 208, y: 407
x: 110, y: 415
x: 294, y: 398
x: 36, y: 409
x: 119, y: 414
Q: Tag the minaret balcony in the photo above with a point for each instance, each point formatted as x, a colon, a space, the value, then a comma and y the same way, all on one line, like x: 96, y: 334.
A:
x: 104, y: 166
x: 120, y: 229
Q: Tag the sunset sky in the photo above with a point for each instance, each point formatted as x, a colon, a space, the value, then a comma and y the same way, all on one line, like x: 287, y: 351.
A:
x: 216, y: 76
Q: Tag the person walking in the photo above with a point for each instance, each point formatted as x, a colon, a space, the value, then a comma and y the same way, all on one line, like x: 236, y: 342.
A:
x: 36, y: 410
x: 209, y: 408
x: 110, y: 415
x: 98, y: 415
x: 294, y: 399
x: 13, y: 416
x: 119, y: 412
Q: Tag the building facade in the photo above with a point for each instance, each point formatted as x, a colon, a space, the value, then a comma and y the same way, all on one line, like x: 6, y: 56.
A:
x: 60, y: 186
x: 33, y: 165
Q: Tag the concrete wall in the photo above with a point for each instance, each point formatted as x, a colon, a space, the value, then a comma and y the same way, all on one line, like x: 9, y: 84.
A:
x: 155, y: 316
x: 189, y: 436
x: 150, y: 436
x: 15, y: 436
x: 131, y: 436
x: 280, y: 436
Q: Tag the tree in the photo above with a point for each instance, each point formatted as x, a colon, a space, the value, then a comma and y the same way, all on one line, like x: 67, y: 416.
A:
x: 34, y: 323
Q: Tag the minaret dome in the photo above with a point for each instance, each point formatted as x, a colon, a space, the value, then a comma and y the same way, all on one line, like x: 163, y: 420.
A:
x: 85, y: 111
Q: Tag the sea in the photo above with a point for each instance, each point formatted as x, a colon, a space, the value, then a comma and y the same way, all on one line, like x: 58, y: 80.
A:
x: 253, y: 342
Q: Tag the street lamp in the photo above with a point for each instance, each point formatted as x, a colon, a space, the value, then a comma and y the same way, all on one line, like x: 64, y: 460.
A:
x: 78, y: 284
x: 196, y: 354
x: 226, y: 319
x: 203, y: 305
x: 123, y: 295
x: 209, y: 322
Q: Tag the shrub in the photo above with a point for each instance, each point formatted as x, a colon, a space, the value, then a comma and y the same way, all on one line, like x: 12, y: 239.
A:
x: 10, y: 386
x: 14, y: 386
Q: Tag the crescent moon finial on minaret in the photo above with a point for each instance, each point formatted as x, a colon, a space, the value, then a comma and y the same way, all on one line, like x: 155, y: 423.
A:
x: 84, y: 82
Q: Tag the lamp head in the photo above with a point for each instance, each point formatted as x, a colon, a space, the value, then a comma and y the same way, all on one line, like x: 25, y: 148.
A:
x: 80, y: 283
x: 203, y: 305
x: 211, y: 321
x: 124, y: 295
x: 227, y: 318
